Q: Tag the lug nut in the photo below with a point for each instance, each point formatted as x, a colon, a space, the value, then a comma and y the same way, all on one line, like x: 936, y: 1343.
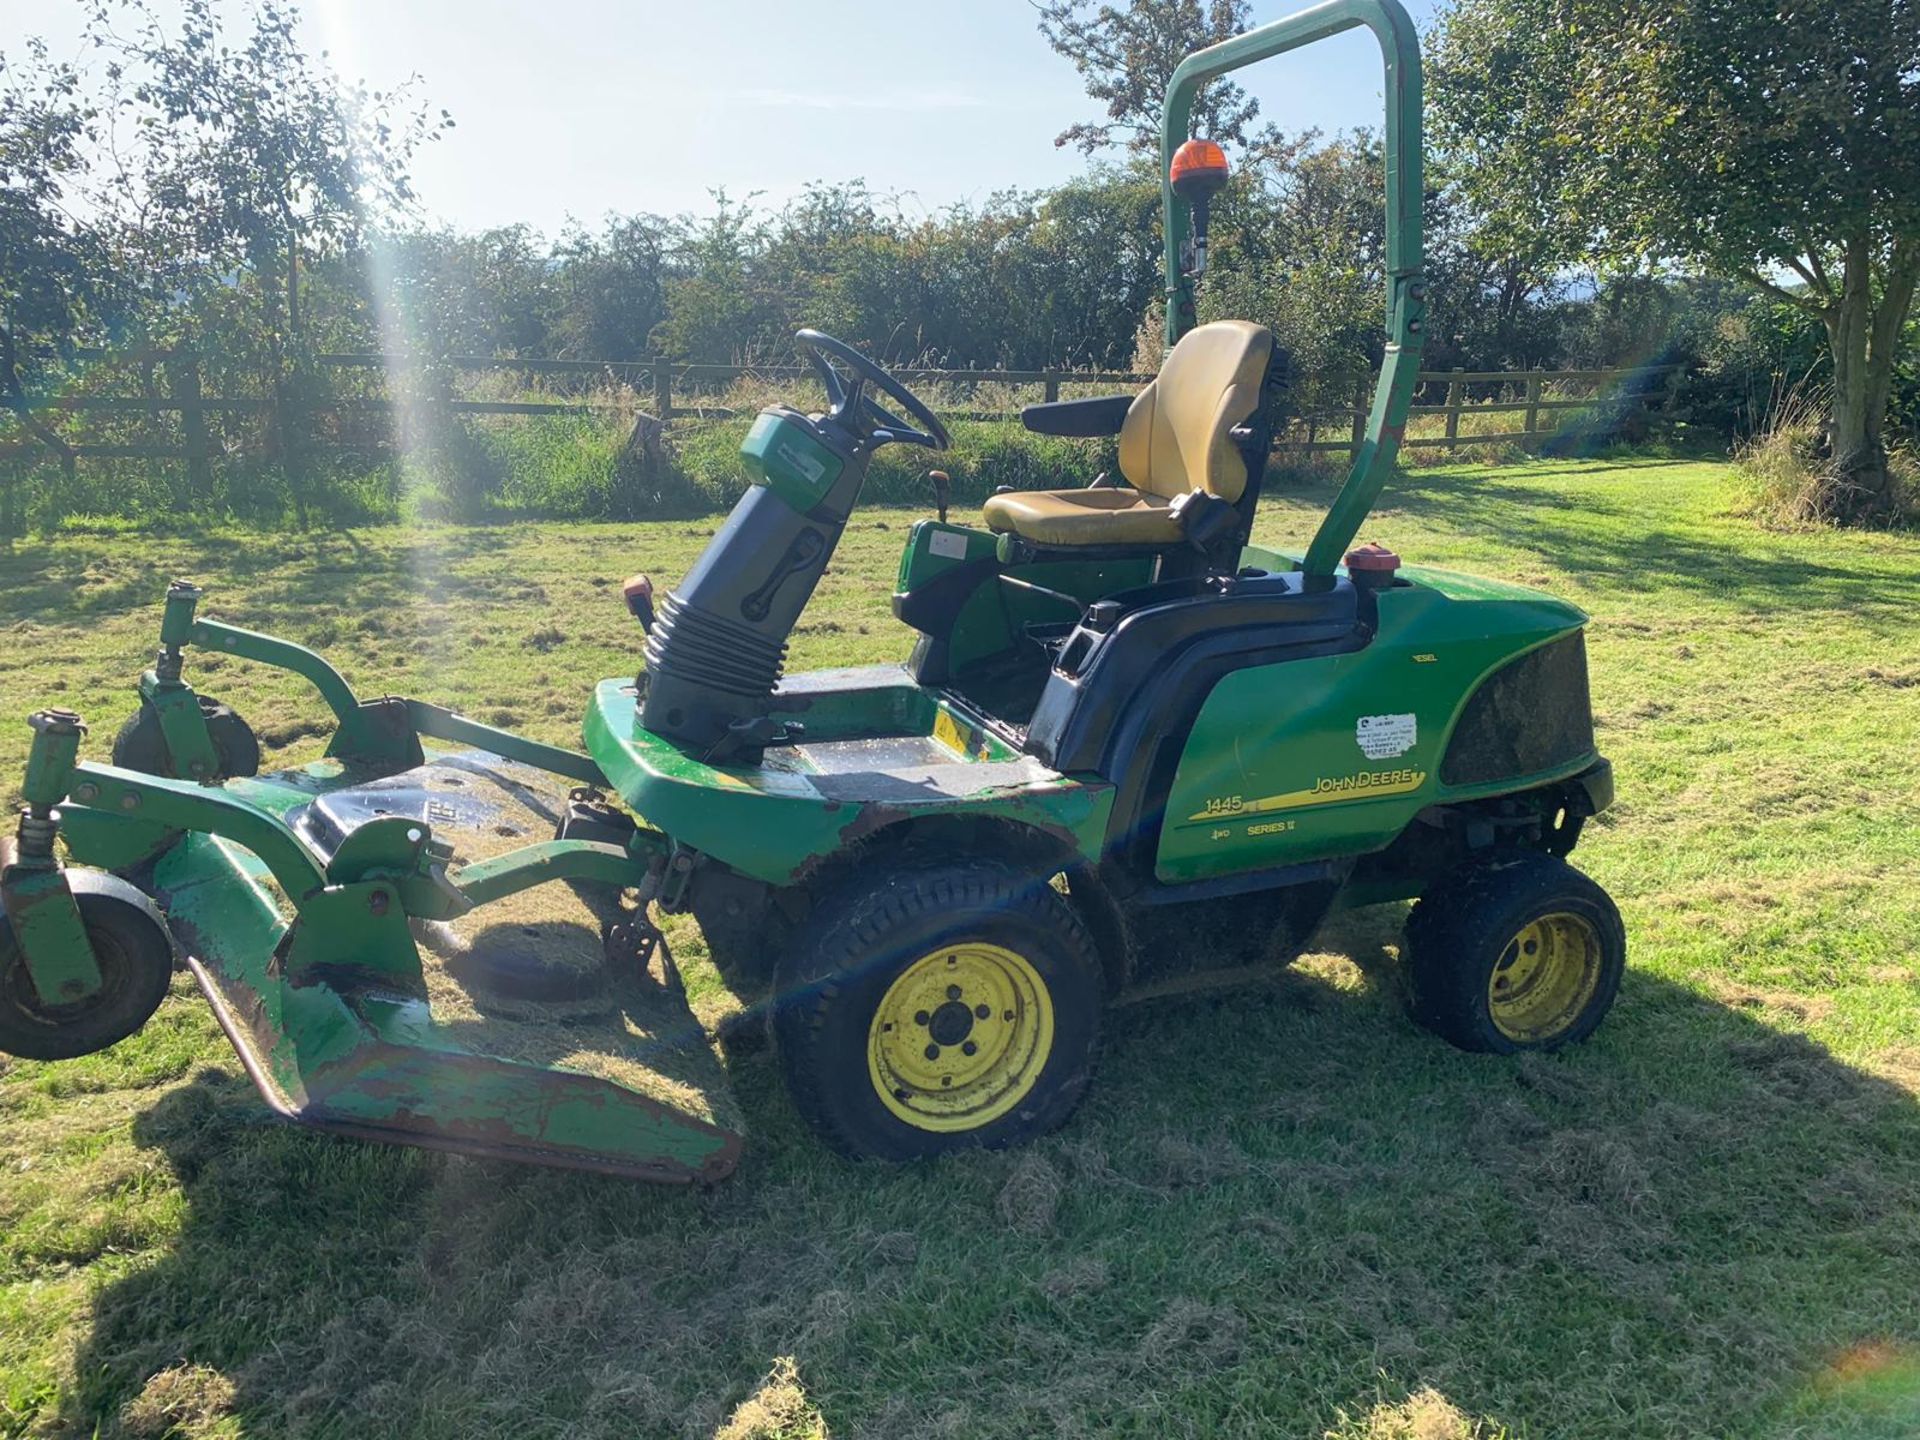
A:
x: 953, y: 992
x: 933, y: 1052
x: 969, y: 1048
x: 920, y: 1017
x: 981, y: 1012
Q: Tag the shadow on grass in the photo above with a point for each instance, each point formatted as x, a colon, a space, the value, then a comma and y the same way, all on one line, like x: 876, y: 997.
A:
x: 67, y: 581
x: 1278, y: 1202
x: 1624, y: 548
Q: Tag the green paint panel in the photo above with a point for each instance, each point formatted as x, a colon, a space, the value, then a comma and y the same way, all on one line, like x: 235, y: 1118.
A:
x: 190, y: 749
x: 1335, y: 756
x: 991, y: 619
x: 934, y: 547
x: 372, y: 1061
x: 51, y: 935
x: 789, y: 461
x: 773, y: 823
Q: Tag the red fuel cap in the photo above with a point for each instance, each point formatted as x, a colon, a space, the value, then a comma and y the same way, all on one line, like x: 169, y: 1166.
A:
x: 1372, y: 559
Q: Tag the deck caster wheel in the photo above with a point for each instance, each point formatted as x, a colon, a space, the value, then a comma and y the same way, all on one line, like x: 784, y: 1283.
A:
x: 141, y: 746
x: 938, y: 1008
x: 1520, y: 952
x: 135, y: 956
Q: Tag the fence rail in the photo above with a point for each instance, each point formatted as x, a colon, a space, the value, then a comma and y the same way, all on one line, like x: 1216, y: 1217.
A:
x: 655, y: 386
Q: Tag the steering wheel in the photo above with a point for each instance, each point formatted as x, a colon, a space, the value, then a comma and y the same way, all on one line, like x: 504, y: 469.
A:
x: 851, y: 403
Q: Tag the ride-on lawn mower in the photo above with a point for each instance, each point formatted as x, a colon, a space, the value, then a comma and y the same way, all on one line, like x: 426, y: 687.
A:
x: 1127, y: 741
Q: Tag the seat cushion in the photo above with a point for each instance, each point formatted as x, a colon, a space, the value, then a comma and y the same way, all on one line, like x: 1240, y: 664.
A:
x: 1178, y: 434
x: 1084, y: 517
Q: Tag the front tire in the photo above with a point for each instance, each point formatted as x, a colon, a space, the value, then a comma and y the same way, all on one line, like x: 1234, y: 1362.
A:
x: 1519, y: 952
x: 939, y: 1008
x: 135, y: 956
x: 142, y: 746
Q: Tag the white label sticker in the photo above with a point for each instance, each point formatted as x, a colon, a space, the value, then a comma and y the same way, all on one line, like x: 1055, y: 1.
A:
x: 805, y: 464
x: 1385, y: 737
x: 948, y: 545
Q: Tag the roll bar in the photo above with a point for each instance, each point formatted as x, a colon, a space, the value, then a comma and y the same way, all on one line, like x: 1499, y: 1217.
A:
x: 1406, y: 288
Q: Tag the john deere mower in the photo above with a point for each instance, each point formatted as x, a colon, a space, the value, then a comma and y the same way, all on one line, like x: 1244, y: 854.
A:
x: 1126, y: 744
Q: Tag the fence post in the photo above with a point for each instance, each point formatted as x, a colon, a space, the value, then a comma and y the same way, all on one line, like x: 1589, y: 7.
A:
x: 1362, y: 397
x: 662, y: 387
x: 183, y: 383
x: 1456, y: 390
x: 1053, y: 387
x: 1533, y: 405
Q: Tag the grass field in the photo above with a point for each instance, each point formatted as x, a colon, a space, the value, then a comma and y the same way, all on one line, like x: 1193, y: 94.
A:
x: 1282, y: 1211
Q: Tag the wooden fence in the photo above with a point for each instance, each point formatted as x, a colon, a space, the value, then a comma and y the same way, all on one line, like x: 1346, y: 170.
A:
x: 1333, y: 416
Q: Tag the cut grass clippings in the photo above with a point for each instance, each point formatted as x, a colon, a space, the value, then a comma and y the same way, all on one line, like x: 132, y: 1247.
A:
x: 1283, y: 1210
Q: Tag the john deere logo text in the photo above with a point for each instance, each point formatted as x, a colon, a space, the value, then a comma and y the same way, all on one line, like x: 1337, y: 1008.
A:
x: 1362, y: 784
x: 1382, y: 782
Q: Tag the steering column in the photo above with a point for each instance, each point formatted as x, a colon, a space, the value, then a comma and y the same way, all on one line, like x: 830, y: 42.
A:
x: 716, y: 649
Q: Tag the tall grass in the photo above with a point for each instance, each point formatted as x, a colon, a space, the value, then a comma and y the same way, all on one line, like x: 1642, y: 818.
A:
x: 1788, y: 471
x: 602, y: 464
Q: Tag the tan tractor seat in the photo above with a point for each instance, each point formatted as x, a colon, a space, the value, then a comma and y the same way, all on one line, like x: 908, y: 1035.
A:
x: 1177, y: 438
x: 1084, y: 517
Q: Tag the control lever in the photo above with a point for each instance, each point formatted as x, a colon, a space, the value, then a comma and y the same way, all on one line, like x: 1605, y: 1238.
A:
x: 942, y: 491
x: 638, y: 592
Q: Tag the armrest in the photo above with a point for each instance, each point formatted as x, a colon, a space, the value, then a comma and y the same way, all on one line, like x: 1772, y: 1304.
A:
x: 1101, y: 415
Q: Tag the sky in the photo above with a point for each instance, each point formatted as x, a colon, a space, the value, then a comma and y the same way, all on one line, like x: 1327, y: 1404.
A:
x: 580, y: 108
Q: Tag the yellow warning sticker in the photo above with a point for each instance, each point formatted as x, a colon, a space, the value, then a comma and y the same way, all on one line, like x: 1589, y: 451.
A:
x: 947, y: 731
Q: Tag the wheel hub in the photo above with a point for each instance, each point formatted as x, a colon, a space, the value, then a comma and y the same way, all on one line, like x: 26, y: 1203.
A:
x: 951, y: 1023
x: 1545, y: 977
x: 960, y: 1037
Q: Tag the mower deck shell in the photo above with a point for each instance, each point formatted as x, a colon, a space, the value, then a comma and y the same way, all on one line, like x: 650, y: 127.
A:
x: 350, y: 1044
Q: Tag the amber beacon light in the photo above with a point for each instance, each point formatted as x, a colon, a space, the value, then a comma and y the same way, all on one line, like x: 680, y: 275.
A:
x: 1197, y: 174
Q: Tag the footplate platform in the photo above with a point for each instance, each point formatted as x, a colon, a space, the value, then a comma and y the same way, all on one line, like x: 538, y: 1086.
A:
x: 521, y: 1035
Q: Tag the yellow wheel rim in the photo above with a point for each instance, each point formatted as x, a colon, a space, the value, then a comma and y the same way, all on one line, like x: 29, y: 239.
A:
x: 1545, y: 978
x: 960, y: 1037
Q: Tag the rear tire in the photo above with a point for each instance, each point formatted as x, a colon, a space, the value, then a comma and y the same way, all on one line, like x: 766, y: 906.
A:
x: 1518, y: 952
x: 135, y: 957
x: 141, y: 746
x: 938, y: 1008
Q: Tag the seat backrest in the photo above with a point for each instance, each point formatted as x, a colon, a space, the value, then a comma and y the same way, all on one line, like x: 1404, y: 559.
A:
x: 1178, y: 434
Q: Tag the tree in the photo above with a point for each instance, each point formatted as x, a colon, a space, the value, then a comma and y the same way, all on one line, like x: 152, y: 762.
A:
x: 1778, y: 144
x: 718, y: 309
x: 489, y: 292
x: 247, y: 157
x: 50, y: 261
x: 1300, y: 245
x: 1126, y: 53
x: 612, y: 288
